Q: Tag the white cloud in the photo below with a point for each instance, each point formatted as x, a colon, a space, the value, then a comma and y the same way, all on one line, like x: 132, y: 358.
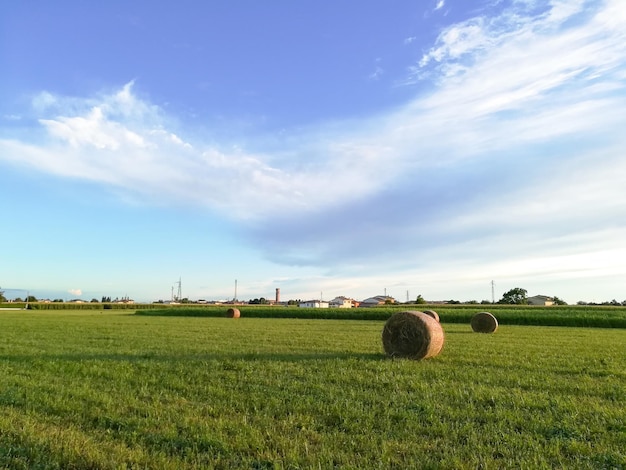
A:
x: 92, y: 130
x: 439, y: 5
x: 75, y: 292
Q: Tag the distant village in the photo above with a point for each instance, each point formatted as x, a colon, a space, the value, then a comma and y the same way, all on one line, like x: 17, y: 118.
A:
x: 514, y: 296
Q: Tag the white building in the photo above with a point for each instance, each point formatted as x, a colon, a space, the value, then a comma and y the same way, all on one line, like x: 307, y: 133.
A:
x: 314, y: 304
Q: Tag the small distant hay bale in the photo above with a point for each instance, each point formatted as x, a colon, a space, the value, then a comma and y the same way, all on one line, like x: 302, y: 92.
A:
x: 484, y: 322
x: 413, y: 335
x: 233, y: 313
x: 431, y: 313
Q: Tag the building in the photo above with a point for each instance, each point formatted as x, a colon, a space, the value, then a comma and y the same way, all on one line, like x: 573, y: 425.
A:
x: 314, y: 304
x: 343, y: 302
x: 540, y: 300
x: 377, y: 300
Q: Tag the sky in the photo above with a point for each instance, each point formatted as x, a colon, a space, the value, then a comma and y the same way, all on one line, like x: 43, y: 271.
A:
x: 424, y: 147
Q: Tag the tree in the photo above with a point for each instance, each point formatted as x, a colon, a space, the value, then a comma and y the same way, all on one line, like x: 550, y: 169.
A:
x: 2, y: 297
x: 558, y: 301
x: 420, y: 299
x: 516, y: 296
x: 31, y: 298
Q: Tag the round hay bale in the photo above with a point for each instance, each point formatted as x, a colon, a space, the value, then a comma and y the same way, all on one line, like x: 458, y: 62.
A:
x: 233, y: 313
x: 484, y: 322
x: 431, y: 313
x: 414, y: 335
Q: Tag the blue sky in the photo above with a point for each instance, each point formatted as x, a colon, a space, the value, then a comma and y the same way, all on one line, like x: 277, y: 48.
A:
x: 325, y: 148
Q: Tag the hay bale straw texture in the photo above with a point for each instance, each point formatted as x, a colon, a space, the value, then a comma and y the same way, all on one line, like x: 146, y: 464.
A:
x: 431, y: 313
x: 413, y: 335
x: 484, y: 322
x: 233, y: 313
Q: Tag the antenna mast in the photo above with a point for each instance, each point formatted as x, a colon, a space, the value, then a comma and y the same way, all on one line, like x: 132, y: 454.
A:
x: 179, y: 294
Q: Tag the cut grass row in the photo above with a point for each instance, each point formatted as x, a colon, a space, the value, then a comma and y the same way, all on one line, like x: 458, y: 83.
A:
x: 575, y: 316
x: 102, y: 390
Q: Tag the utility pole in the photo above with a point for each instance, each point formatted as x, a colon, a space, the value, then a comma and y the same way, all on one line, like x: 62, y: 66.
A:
x: 493, y: 298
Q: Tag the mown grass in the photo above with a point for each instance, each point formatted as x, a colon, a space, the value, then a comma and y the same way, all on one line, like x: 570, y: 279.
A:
x: 105, y: 390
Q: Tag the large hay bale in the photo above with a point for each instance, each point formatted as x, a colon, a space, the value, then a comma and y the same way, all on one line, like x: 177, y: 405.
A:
x: 233, y: 313
x: 484, y: 322
x: 414, y: 335
x: 431, y: 313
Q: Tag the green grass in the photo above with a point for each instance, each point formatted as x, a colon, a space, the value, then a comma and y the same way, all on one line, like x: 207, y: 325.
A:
x: 108, y: 390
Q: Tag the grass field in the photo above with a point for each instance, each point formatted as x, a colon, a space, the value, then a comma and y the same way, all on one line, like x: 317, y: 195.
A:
x: 88, y: 389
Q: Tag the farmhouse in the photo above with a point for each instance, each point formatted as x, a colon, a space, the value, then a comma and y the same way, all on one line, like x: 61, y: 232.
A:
x: 314, y: 304
x: 343, y: 302
x: 540, y: 300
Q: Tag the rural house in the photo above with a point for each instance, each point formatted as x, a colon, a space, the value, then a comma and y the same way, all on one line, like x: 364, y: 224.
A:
x: 342, y: 302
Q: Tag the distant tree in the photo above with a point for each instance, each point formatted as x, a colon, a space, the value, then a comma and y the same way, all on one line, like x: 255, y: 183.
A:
x: 516, y: 296
x: 31, y: 298
x: 58, y: 300
x: 106, y: 299
x: 2, y: 297
x: 558, y: 301
x: 472, y: 302
x: 484, y: 302
x: 454, y: 302
x: 293, y: 302
x: 94, y: 301
x: 420, y: 299
x: 581, y: 302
